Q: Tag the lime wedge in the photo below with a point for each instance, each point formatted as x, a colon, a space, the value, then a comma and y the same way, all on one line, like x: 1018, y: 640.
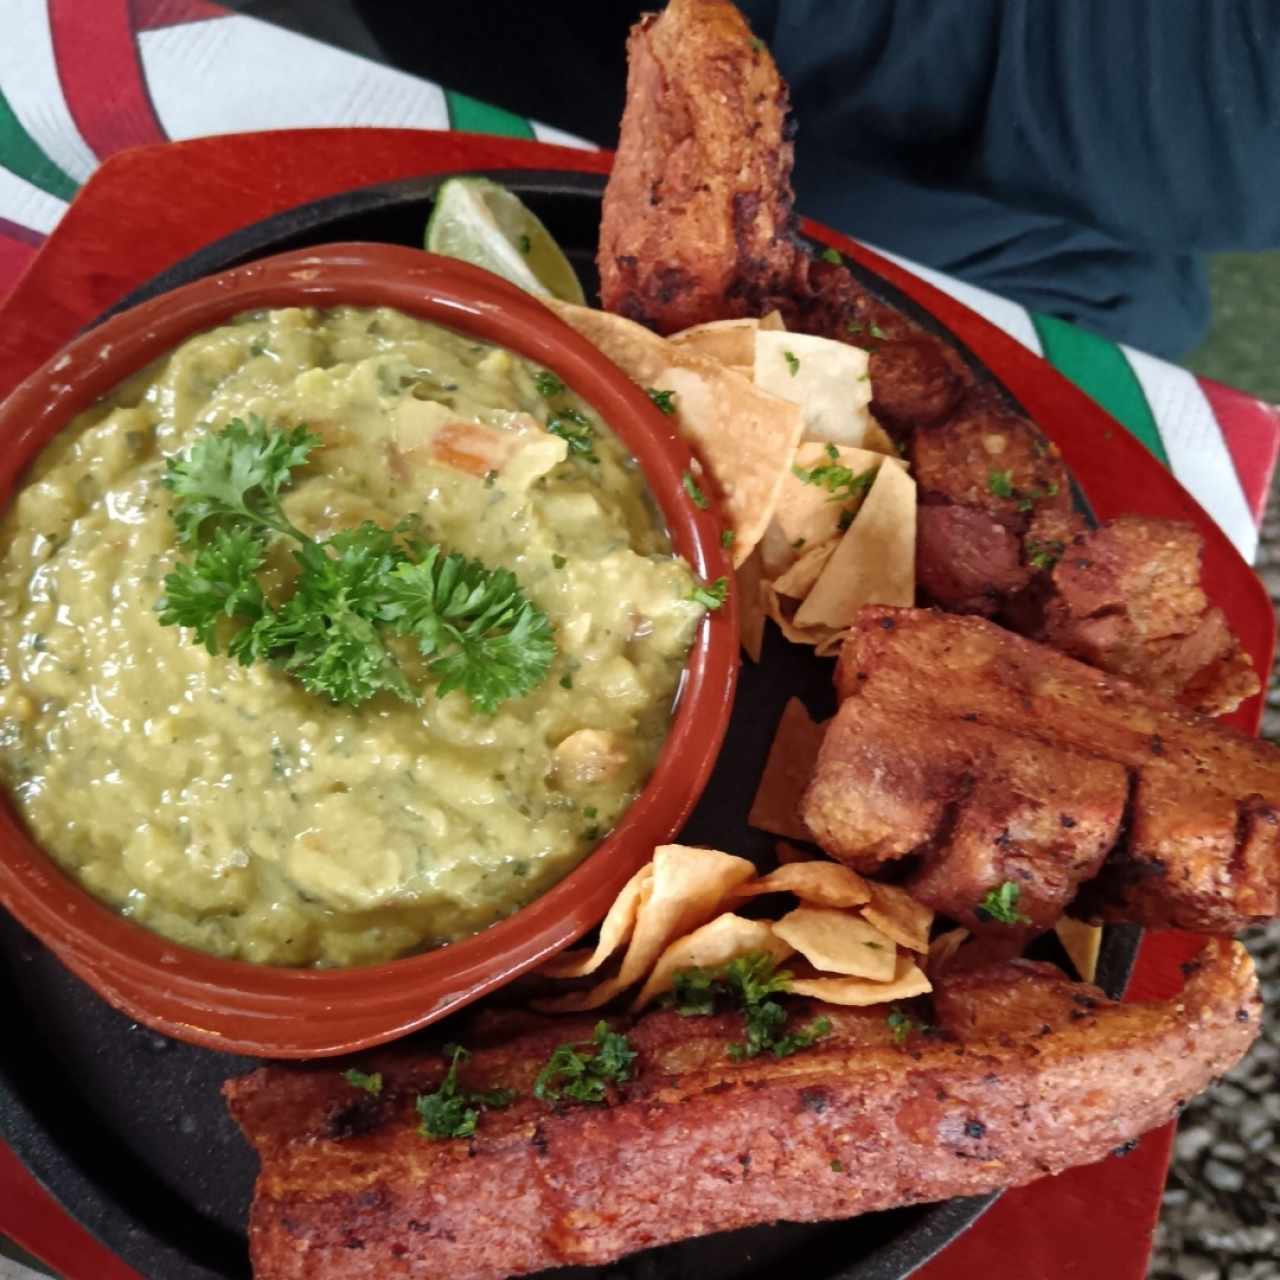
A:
x: 484, y: 224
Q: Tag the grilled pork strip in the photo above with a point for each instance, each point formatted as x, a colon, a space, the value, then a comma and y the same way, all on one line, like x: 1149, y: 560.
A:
x: 1025, y: 1074
x: 991, y: 758
x: 697, y: 226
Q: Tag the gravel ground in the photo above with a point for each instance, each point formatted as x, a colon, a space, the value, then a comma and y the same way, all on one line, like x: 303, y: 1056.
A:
x: 1221, y: 1218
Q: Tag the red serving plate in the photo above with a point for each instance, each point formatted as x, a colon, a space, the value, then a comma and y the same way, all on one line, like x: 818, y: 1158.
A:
x: 148, y: 208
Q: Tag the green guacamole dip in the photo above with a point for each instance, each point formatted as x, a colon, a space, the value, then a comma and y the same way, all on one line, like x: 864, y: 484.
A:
x: 227, y: 808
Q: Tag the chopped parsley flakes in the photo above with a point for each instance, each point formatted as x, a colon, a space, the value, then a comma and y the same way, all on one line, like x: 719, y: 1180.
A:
x: 575, y: 1077
x: 902, y: 1024
x: 710, y: 595
x: 451, y: 1112
x: 793, y: 362
x: 751, y: 982
x: 1000, y: 483
x: 839, y: 481
x: 696, y: 495
x: 359, y: 1080
x: 1001, y: 905
x: 665, y: 400
x: 832, y: 255
x: 727, y: 537
x: 575, y: 429
x: 1044, y: 555
x: 547, y: 384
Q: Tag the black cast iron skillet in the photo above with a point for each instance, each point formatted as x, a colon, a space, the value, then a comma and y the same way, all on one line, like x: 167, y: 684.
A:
x: 127, y: 1128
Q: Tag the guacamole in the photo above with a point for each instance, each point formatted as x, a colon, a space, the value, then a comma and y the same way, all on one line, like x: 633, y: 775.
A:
x: 228, y: 808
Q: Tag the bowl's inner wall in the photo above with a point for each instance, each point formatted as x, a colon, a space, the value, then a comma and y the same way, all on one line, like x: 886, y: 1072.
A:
x: 128, y: 1128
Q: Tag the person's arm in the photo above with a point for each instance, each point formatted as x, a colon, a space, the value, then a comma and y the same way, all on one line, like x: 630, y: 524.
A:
x: 1156, y: 122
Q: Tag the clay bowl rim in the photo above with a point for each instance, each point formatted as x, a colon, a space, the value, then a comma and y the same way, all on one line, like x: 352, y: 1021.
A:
x: 268, y: 1011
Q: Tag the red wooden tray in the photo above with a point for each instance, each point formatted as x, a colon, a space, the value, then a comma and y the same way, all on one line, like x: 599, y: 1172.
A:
x: 148, y: 208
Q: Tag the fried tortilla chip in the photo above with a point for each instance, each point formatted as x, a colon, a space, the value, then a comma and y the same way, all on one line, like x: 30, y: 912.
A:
x: 777, y: 608
x: 875, y: 562
x: 1082, y: 942
x: 745, y: 437
x: 689, y: 886
x: 751, y: 614
x: 830, y: 645
x: 777, y: 555
x: 731, y: 342
x: 817, y: 882
x: 615, y: 929
x: 723, y: 939
x: 908, y: 980
x: 877, y: 439
x: 942, y: 950
x: 813, y: 503
x: 839, y: 942
x: 894, y: 911
x: 798, y: 581
x: 827, y: 379
x: 786, y: 774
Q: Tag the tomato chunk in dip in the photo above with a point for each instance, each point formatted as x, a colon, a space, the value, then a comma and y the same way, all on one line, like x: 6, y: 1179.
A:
x: 226, y: 807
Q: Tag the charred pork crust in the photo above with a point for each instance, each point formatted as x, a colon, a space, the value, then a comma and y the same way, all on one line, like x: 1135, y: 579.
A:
x: 1011, y: 1085
x: 985, y: 758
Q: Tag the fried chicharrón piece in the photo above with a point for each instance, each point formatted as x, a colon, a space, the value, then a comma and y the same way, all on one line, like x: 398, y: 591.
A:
x: 1024, y: 1073
x: 697, y: 215
x: 989, y: 758
x: 1127, y: 598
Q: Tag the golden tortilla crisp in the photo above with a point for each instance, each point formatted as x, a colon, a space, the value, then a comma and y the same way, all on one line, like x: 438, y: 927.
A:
x: 615, y: 929
x: 812, y: 880
x: 908, y: 980
x: 689, y: 886
x: 1083, y: 943
x: 744, y: 437
x: 715, y: 944
x: 839, y: 942
x: 894, y: 911
x: 731, y: 342
x: 875, y: 562
x: 786, y: 774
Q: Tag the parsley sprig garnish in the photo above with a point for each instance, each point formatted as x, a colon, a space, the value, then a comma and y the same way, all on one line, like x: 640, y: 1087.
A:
x: 1001, y: 905
x: 750, y: 982
x: 576, y: 1077
x: 353, y: 591
x: 452, y: 1112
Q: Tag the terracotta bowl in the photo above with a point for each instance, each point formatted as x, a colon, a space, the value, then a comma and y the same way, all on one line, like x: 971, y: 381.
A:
x: 301, y: 1013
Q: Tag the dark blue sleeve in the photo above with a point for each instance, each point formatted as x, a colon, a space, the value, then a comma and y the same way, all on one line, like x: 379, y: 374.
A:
x: 1154, y: 121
